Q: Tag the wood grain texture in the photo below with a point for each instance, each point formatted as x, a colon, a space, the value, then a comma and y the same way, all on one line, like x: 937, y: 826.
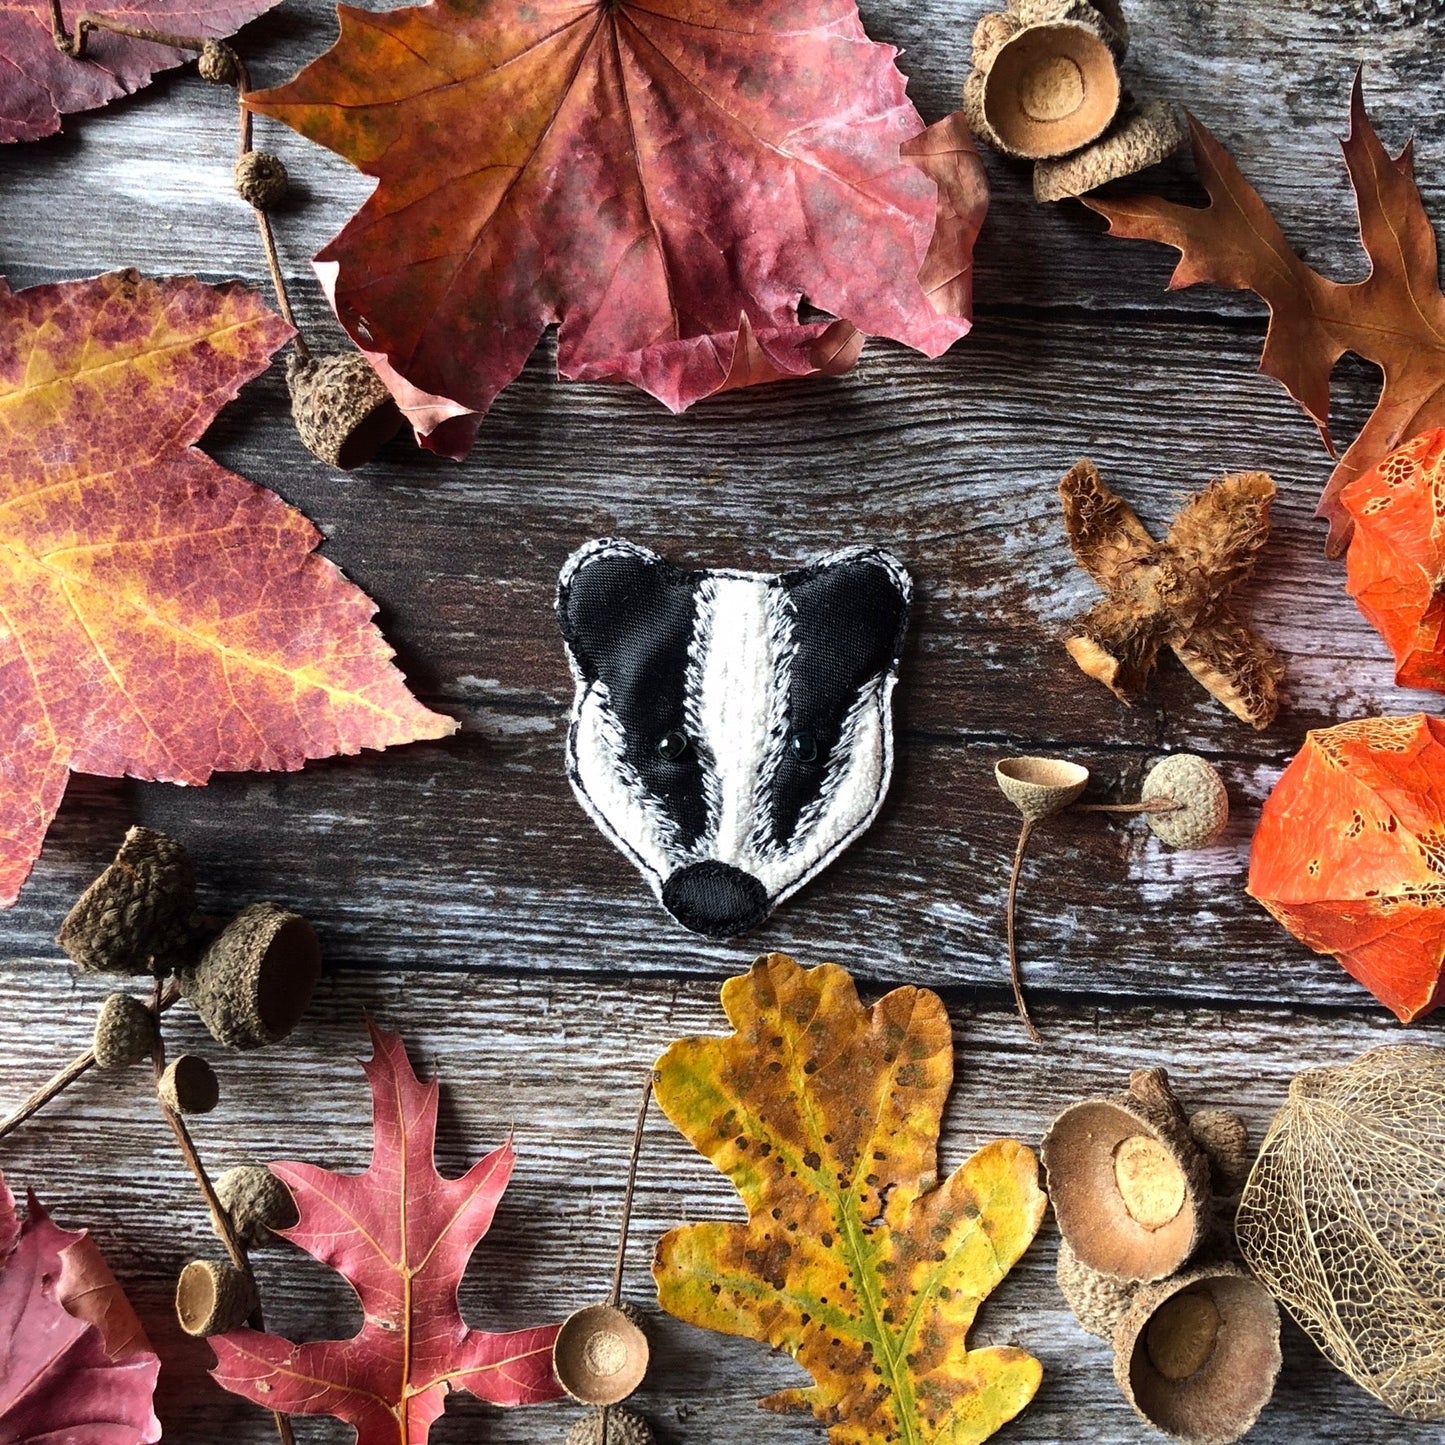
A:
x: 462, y: 895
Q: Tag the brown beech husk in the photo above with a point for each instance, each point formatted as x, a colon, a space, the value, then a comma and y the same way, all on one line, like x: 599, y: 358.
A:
x: 212, y: 1297
x: 1197, y: 1355
x: 600, y: 1355
x: 1129, y: 1185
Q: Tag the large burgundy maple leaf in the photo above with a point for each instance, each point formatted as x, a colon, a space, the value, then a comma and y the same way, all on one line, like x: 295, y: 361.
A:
x: 160, y: 617
x: 39, y: 84
x: 666, y: 181
x: 402, y: 1235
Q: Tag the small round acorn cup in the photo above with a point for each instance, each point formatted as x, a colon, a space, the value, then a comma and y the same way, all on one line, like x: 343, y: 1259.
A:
x: 600, y: 1355
x: 213, y: 1297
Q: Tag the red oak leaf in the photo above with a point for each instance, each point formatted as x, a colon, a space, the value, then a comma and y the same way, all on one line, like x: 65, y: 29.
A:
x: 39, y: 84
x: 665, y: 181
x: 401, y: 1235
x: 160, y: 617
x: 63, y: 1375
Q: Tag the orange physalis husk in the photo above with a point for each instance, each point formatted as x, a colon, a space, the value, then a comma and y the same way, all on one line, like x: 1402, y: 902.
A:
x: 1397, y: 555
x: 1350, y: 854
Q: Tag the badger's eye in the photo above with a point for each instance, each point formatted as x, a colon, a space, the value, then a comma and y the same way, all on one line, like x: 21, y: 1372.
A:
x: 672, y: 745
x: 804, y: 747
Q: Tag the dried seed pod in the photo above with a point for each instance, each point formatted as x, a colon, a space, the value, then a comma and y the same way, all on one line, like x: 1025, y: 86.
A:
x: 213, y: 1296
x: 1040, y: 787
x: 600, y: 1355
x: 125, y: 1032
x: 1097, y: 1300
x: 257, y: 1202
x: 189, y: 1086
x: 1202, y: 804
x: 342, y: 409
x: 1224, y: 1137
x: 623, y: 1428
x: 1141, y: 136
x: 256, y: 979
x: 218, y: 63
x: 1049, y: 88
x: 136, y: 917
x: 261, y: 179
x: 1197, y: 1355
x: 1129, y: 1186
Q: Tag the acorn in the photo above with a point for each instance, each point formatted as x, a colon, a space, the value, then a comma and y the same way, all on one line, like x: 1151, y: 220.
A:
x: 257, y: 1203
x: 1129, y: 1186
x: 189, y: 1086
x: 255, y: 981
x: 1142, y: 135
x: 217, y: 63
x: 261, y: 179
x: 213, y: 1296
x: 1040, y: 787
x: 343, y: 412
x: 1098, y: 1300
x: 136, y: 917
x: 1224, y: 1137
x: 1201, y: 810
x: 623, y: 1428
x: 1197, y: 1355
x: 125, y: 1032
x: 600, y: 1355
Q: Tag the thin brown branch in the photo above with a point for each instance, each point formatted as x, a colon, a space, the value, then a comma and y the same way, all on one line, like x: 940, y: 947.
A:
x: 1145, y: 805
x: 1013, y: 959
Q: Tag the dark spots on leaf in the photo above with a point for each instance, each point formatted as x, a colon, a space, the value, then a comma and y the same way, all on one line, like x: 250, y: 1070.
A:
x: 812, y: 1159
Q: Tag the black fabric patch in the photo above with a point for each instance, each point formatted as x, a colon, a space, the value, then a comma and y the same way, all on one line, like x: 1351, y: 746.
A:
x: 628, y: 621
x: 848, y: 627
x: 716, y: 899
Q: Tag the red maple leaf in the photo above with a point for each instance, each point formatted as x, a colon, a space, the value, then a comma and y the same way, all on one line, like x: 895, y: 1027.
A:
x: 160, y: 617
x: 401, y: 1235
x: 39, y: 83
x: 665, y: 181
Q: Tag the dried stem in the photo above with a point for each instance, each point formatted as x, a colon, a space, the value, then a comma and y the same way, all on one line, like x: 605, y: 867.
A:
x: 220, y: 1215
x: 1013, y: 958
x: 64, y: 1078
x: 1145, y: 805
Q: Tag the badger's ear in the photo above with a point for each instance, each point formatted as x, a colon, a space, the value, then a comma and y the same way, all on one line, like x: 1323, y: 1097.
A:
x: 619, y: 605
x: 852, y: 607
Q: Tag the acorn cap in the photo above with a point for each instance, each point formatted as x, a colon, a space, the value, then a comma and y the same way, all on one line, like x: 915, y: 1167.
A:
x: 254, y: 982
x: 1040, y: 787
x: 1197, y: 1355
x: 1050, y: 89
x: 623, y: 1428
x: 1190, y: 781
x: 1103, y: 15
x: 189, y: 1086
x: 136, y: 917
x: 213, y: 1296
x: 1224, y: 1137
x: 257, y: 1202
x: 1141, y: 136
x: 217, y: 63
x: 1097, y: 1300
x: 342, y: 409
x: 990, y: 32
x: 125, y: 1032
x: 1129, y: 1186
x: 600, y: 1355
x: 261, y: 179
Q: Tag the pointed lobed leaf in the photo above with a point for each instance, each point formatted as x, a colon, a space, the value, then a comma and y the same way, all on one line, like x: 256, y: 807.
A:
x: 825, y: 1115
x: 60, y: 1378
x: 1394, y: 318
x: 666, y: 181
x: 39, y: 84
x: 160, y: 617
x: 1350, y: 849
x: 401, y: 1235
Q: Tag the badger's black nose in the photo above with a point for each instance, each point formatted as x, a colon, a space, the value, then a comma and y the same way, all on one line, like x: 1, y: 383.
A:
x: 715, y: 899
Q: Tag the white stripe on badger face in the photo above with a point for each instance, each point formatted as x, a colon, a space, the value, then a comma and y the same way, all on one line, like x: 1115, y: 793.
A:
x: 731, y: 679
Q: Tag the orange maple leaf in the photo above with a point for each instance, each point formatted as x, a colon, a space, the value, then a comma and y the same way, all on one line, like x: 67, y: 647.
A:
x: 1395, y: 317
x: 160, y: 617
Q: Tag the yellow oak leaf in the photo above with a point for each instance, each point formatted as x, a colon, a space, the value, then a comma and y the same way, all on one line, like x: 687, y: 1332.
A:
x: 825, y: 1116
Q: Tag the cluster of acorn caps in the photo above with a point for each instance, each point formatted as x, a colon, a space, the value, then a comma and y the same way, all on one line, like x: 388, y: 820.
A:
x: 249, y: 980
x: 1147, y: 1259
x: 1045, y: 87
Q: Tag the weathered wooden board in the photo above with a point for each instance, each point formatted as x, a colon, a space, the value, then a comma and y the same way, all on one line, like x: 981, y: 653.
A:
x: 472, y: 904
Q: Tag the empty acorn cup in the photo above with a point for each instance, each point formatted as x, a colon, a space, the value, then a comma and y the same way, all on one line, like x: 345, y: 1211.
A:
x: 600, y: 1355
x: 1040, y: 787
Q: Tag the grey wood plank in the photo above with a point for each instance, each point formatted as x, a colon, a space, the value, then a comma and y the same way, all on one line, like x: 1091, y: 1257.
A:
x: 562, y: 1061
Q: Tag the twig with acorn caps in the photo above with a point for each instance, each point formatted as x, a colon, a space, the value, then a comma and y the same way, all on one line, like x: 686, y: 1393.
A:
x: 1184, y: 803
x: 342, y: 409
x: 249, y: 980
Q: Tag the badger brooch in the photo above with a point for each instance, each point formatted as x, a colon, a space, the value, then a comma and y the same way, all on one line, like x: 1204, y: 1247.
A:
x: 732, y: 731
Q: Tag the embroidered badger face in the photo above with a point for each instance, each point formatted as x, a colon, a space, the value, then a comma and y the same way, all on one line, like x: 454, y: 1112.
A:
x: 732, y: 732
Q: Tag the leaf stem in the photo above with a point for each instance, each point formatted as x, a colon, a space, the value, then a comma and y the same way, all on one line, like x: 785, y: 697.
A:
x: 1013, y: 959
x: 1145, y: 805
